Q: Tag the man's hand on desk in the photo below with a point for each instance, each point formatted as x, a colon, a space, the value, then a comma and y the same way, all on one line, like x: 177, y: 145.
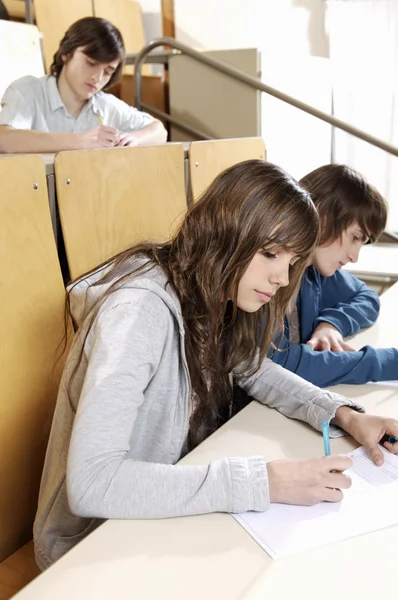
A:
x: 126, y: 139
x: 100, y: 137
x: 327, y: 337
x: 105, y: 137
x: 308, y: 482
x: 368, y: 430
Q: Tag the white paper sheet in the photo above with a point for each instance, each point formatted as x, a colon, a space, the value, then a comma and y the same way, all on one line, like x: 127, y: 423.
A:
x: 370, y: 504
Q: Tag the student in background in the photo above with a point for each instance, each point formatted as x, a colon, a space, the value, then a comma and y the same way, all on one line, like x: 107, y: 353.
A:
x: 332, y: 304
x: 68, y: 110
x: 163, y: 332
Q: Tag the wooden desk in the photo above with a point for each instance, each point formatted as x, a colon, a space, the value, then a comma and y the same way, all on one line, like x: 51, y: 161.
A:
x: 49, y: 159
x: 211, y: 556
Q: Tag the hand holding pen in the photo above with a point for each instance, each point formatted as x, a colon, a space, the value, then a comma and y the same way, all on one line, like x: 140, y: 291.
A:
x: 369, y: 431
x: 124, y: 139
x: 390, y: 439
x: 100, y: 137
x: 307, y: 482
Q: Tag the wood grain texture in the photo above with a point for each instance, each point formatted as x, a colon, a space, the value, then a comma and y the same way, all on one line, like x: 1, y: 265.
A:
x: 116, y: 198
x: 168, y: 24
x: 153, y: 91
x: 15, y: 8
x: 126, y: 15
x: 17, y: 571
x: 208, y: 158
x: 53, y: 18
x: 32, y: 326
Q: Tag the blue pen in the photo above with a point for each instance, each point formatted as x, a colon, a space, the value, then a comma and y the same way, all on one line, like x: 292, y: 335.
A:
x: 392, y: 439
x: 326, y: 440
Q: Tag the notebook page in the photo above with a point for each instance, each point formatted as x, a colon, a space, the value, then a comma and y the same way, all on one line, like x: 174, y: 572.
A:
x: 370, y: 504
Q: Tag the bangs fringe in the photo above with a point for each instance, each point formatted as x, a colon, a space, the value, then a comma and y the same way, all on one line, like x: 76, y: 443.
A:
x: 300, y: 239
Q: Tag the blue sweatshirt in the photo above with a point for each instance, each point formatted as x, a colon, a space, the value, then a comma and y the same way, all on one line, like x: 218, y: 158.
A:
x: 349, y: 305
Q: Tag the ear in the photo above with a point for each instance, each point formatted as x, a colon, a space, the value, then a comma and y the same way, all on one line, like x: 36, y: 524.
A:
x: 66, y: 58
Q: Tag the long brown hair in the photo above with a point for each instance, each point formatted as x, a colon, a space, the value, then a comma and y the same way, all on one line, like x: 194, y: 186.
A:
x: 342, y: 197
x: 99, y: 40
x: 251, y: 206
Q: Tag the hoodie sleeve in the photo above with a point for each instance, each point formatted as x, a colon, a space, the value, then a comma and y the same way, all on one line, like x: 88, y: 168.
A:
x: 328, y: 368
x: 292, y: 396
x: 347, y: 303
x: 102, y: 481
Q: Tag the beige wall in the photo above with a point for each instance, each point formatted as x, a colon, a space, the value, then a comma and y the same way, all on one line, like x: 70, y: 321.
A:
x: 281, y: 27
x: 222, y: 24
x: 290, y: 35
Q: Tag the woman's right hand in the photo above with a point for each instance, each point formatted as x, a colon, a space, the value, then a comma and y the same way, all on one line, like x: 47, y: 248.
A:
x: 307, y: 482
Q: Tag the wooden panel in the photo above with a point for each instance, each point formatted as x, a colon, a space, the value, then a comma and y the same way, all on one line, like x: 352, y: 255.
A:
x: 168, y: 24
x: 118, y: 197
x: 15, y: 8
x: 31, y: 324
x: 208, y: 159
x: 126, y: 15
x: 17, y: 571
x: 153, y: 91
x: 20, y: 52
x: 54, y: 17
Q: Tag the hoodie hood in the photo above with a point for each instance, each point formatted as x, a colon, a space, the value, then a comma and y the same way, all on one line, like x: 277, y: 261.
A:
x: 86, y: 292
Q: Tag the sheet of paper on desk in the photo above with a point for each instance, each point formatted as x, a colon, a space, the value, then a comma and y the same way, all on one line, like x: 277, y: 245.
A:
x: 370, y: 504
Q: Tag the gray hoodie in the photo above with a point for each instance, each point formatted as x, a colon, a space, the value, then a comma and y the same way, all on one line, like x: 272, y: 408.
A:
x: 116, y: 438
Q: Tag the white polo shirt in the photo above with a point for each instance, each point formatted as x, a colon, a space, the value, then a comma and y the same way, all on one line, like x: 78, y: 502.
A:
x: 35, y: 103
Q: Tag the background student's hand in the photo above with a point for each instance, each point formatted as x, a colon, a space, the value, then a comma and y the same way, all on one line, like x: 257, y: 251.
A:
x: 368, y: 430
x: 100, y: 137
x: 126, y: 139
x: 327, y: 337
x: 307, y: 482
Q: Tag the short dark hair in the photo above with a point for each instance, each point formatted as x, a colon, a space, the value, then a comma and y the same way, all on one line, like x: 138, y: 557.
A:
x: 342, y: 197
x: 101, y: 41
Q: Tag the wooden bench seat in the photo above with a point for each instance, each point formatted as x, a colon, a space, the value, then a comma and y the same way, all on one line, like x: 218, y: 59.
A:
x: 17, y: 571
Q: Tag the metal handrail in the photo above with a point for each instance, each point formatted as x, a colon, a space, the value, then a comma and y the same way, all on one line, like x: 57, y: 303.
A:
x: 174, y: 121
x: 29, y: 12
x: 217, y: 65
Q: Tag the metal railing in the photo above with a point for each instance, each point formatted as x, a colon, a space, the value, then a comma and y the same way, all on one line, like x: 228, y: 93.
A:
x: 29, y: 12
x: 252, y: 82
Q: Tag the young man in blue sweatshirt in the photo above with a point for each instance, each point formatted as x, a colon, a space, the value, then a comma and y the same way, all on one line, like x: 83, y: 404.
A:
x: 333, y: 304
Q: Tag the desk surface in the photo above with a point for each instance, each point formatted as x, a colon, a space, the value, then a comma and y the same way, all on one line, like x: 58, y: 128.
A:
x: 211, y: 556
x: 49, y: 158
